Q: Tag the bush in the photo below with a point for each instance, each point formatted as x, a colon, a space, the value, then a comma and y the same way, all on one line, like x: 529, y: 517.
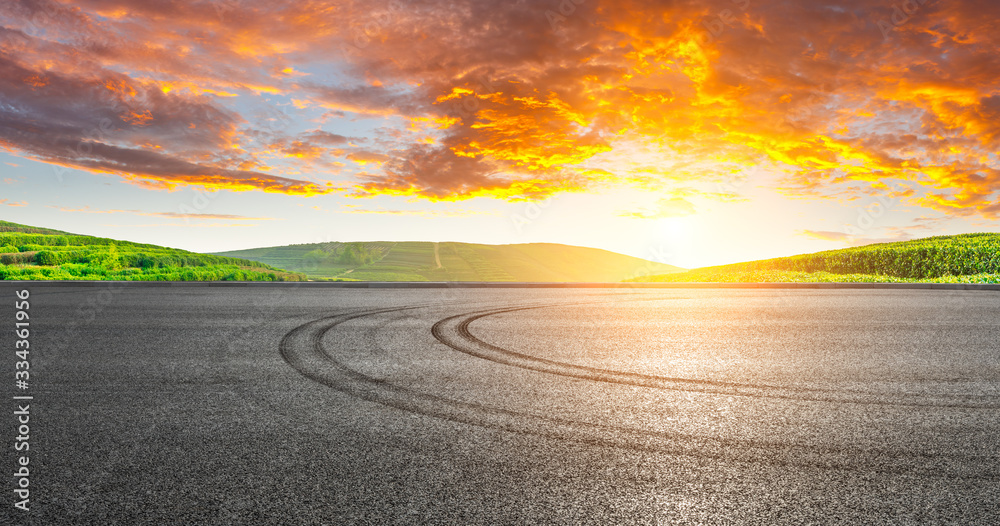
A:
x: 237, y: 275
x: 18, y: 258
x: 46, y: 257
x: 140, y: 260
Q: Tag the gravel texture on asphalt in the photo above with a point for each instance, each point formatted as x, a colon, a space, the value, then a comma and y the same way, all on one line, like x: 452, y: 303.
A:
x: 299, y: 405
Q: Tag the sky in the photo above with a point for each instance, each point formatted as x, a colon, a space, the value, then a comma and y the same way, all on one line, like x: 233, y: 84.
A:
x: 686, y: 132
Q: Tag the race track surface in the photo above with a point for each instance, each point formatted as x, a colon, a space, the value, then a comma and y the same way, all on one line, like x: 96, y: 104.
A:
x: 301, y: 405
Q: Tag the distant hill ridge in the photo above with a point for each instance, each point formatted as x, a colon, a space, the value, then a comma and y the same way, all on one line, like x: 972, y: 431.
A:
x: 453, y: 261
x: 7, y: 226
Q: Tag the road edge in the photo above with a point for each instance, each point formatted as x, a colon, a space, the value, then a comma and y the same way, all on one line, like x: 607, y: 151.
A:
x: 507, y: 284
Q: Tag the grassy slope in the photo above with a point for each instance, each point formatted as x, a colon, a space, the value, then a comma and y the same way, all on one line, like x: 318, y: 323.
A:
x: 414, y: 261
x: 32, y: 253
x: 966, y: 258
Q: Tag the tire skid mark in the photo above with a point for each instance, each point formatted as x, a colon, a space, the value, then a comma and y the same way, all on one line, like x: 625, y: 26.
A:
x: 302, y: 348
x: 454, y: 332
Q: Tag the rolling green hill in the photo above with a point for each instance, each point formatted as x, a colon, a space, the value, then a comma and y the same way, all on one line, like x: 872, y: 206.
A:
x: 965, y: 258
x: 425, y: 261
x: 33, y: 253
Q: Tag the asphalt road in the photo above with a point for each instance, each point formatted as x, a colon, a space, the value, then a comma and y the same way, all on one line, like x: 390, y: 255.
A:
x: 299, y: 405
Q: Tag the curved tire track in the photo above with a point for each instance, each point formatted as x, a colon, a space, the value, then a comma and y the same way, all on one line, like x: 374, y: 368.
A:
x: 302, y: 348
x: 454, y: 332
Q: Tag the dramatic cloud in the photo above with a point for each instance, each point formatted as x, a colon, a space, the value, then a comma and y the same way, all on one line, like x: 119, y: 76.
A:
x: 513, y: 100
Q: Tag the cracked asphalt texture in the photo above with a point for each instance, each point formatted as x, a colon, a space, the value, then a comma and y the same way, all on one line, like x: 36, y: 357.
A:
x: 299, y: 405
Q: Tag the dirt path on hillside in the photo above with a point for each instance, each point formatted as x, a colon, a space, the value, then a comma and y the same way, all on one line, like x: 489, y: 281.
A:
x: 437, y: 256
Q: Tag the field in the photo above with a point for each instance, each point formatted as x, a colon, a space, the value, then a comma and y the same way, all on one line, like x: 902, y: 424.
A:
x: 966, y: 258
x: 34, y: 253
x: 31, y: 253
x: 426, y: 261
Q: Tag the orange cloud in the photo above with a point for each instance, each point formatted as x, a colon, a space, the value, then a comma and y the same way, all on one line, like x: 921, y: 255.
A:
x: 516, y: 100
x: 366, y: 157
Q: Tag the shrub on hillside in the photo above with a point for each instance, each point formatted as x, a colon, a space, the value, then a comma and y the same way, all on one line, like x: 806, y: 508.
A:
x: 47, y: 257
x: 18, y: 258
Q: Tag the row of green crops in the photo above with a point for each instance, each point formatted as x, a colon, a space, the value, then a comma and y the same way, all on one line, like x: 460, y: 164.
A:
x: 928, y: 258
x: 923, y: 258
x: 344, y: 254
x: 791, y: 276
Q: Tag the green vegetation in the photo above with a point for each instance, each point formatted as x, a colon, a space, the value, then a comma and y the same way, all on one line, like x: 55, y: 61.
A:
x: 966, y: 258
x: 33, y: 253
x: 418, y: 261
x: 6, y: 226
x: 30, y: 253
x: 343, y: 255
x: 319, y: 260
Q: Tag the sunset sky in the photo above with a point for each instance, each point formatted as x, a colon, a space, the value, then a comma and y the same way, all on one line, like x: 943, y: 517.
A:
x: 693, y: 133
